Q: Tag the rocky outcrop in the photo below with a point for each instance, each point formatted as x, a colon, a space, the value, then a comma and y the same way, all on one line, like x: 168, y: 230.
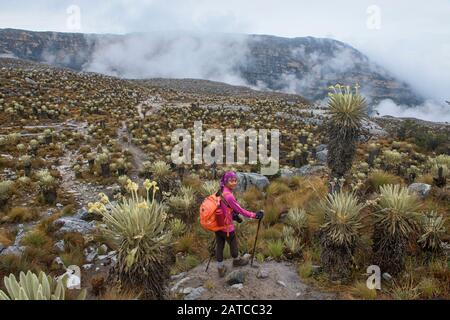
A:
x: 248, y: 179
x: 72, y: 224
x: 307, y: 170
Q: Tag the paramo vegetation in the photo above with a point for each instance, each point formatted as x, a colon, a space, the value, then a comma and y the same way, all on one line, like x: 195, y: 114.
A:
x: 86, y: 179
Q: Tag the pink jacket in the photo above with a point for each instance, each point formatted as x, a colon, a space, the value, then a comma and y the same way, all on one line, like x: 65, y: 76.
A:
x: 226, y: 219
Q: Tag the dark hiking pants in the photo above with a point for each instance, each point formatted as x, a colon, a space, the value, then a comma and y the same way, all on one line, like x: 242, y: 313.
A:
x: 221, y: 238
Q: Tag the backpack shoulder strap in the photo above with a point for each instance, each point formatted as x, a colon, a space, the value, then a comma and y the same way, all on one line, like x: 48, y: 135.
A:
x: 219, y: 193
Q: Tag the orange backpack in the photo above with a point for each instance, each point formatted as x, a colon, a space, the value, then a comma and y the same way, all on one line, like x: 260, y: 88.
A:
x: 208, y: 211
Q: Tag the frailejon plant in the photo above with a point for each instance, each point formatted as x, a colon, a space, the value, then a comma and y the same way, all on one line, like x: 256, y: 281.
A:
x: 433, y: 231
x: 5, y: 192
x: 47, y: 184
x: 440, y: 169
x: 141, y: 228
x: 291, y: 242
x: 36, y: 287
x: 209, y: 187
x: 103, y: 159
x: 178, y: 227
x: 339, y: 235
x: 183, y: 204
x: 395, y: 223
x: 346, y: 110
x: 25, y: 161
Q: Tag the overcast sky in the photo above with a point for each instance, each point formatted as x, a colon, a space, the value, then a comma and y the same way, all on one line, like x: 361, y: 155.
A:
x: 411, y: 38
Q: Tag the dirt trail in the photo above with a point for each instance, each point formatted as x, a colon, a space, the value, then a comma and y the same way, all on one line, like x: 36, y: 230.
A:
x: 83, y: 192
x: 139, y: 157
x: 282, y: 283
x: 144, y: 108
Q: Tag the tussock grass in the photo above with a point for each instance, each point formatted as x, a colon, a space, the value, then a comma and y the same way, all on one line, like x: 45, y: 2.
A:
x: 275, y: 249
x: 378, y: 178
x: 37, y: 239
x: 6, y: 237
x: 361, y: 291
x: 115, y: 293
x: 73, y: 256
x: 185, y: 263
x: 185, y: 244
x: 46, y: 225
x: 254, y: 198
x: 21, y: 214
x: 429, y: 288
x: 305, y: 270
x: 277, y: 188
x: 272, y: 212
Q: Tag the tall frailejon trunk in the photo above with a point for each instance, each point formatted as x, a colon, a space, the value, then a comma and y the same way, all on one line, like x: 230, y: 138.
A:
x: 105, y: 170
x: 49, y: 196
x: 389, y: 251
x: 341, y: 149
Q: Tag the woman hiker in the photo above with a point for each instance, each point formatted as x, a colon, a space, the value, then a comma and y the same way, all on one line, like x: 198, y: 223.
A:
x: 230, y: 210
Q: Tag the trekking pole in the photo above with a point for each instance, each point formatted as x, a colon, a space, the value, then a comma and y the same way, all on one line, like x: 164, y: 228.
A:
x: 212, y: 255
x: 256, y: 239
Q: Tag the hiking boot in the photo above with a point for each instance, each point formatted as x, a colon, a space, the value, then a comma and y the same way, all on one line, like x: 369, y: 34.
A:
x: 222, y: 271
x: 239, y: 262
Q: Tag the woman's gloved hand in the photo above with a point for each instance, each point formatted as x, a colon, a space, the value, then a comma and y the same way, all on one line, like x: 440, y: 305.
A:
x: 260, y: 214
x: 237, y: 218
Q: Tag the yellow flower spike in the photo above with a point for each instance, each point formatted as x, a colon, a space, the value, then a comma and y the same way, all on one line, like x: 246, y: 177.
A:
x: 104, y: 198
x: 91, y: 207
x: 143, y: 205
x: 147, y: 184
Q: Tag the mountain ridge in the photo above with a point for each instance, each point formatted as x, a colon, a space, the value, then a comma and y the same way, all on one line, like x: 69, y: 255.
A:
x: 300, y: 65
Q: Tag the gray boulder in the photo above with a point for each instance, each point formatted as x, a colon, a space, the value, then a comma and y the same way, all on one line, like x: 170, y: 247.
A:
x: 235, y: 277
x: 177, y: 276
x: 13, y: 250
x: 72, y: 224
x: 20, y: 235
x: 371, y: 129
x: 195, y: 294
x: 421, y: 189
x: 322, y: 156
x: 248, y: 179
x: 83, y: 214
x: 262, y: 274
x: 90, y: 253
x: 321, y: 147
x: 307, y: 170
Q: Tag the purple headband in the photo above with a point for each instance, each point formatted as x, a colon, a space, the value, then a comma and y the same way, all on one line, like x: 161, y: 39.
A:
x: 227, y: 177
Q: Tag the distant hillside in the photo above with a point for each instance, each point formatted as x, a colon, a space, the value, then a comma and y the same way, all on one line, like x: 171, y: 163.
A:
x: 305, y: 66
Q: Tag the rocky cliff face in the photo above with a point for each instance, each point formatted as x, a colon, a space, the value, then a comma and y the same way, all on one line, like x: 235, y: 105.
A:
x: 305, y: 66
x: 309, y: 65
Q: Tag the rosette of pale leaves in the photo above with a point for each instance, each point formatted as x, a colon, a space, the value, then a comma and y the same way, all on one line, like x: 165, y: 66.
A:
x: 346, y: 108
x: 433, y: 226
x: 398, y: 210
x: 342, y: 218
x: 35, y: 287
x: 339, y: 234
x: 141, y: 228
x: 209, y: 187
